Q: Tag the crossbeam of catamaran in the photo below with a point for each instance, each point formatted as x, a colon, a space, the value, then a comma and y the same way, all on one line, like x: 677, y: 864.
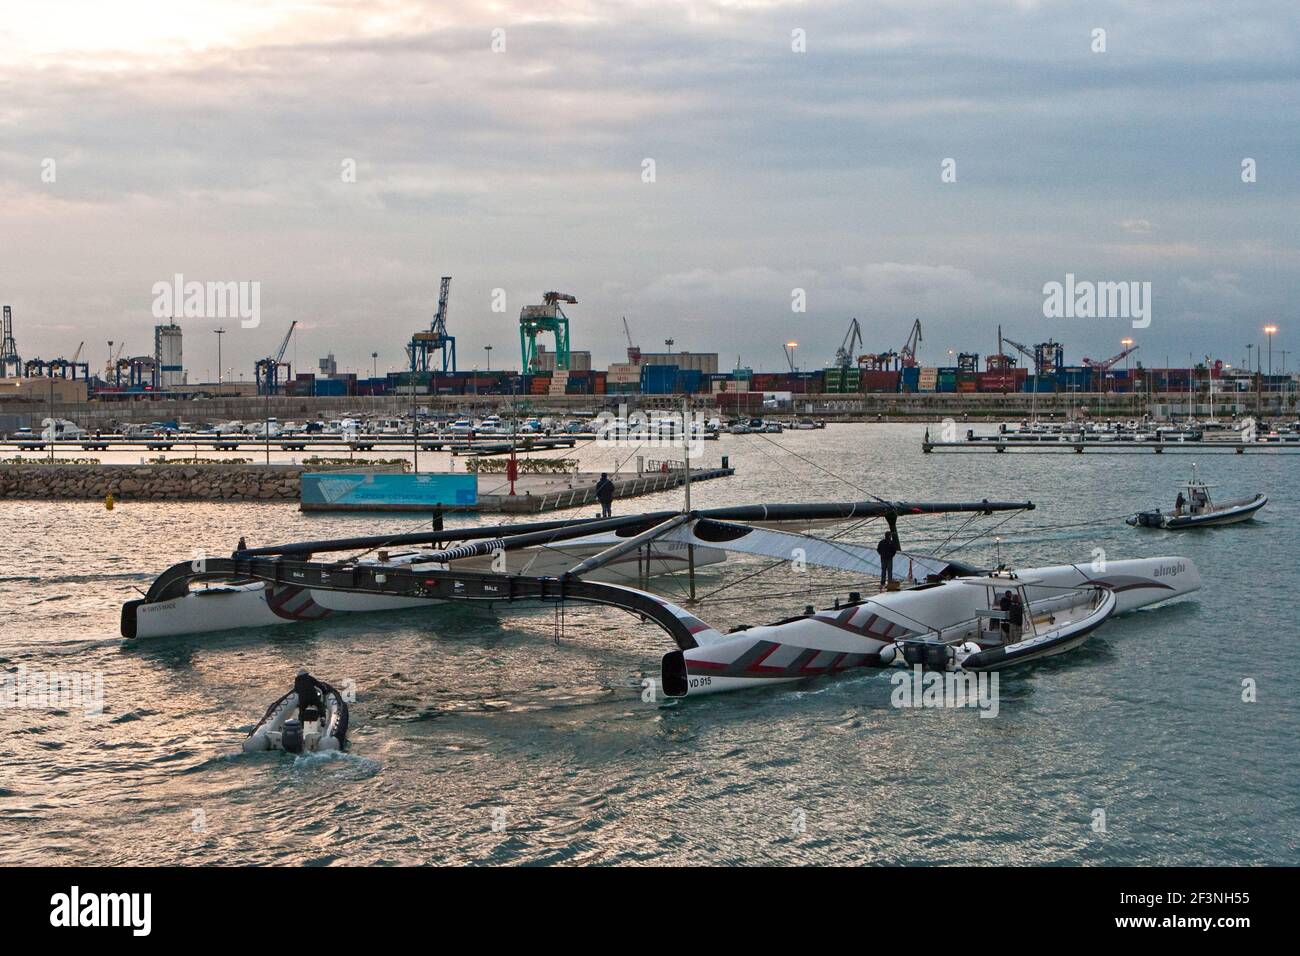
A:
x: 761, y: 513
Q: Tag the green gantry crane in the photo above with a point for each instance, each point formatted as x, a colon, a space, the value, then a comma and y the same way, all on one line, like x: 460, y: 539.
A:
x: 548, y: 317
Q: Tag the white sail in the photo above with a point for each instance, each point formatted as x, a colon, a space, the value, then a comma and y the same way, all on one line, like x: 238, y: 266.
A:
x: 792, y: 546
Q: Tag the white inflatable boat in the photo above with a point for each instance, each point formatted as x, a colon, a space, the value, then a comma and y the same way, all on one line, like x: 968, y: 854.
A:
x: 320, y: 725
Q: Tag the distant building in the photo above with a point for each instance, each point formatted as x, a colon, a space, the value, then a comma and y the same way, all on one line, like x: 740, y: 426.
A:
x: 706, y: 362
x: 64, y: 391
x: 169, y: 368
x: 578, y: 361
x: 328, y: 367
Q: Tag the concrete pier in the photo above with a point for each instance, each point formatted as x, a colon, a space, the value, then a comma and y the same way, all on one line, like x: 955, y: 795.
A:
x: 535, y: 494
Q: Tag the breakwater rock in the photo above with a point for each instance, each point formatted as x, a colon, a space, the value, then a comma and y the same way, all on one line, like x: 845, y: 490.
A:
x: 157, y: 482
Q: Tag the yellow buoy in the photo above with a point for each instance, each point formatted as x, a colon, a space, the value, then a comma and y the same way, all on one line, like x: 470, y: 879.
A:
x: 108, y: 501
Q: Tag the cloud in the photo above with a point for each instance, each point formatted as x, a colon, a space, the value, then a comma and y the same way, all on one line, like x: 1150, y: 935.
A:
x: 207, y: 138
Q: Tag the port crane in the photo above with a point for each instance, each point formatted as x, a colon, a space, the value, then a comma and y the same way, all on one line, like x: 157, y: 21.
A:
x: 1048, y: 357
x: 1102, y: 368
x: 112, y: 371
x: 9, y: 357
x: 547, y: 317
x: 852, y: 341
x: 267, y: 370
x: 66, y: 366
x: 633, y: 351
x: 908, y: 352
x: 58, y: 367
x: 891, y: 360
x: 424, y: 344
x: 1105, y: 365
x: 1000, y: 361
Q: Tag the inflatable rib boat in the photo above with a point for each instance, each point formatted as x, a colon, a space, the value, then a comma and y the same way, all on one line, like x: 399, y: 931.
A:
x: 995, y: 639
x: 322, y: 724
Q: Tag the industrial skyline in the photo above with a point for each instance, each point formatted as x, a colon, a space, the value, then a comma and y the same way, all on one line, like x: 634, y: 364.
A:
x: 696, y: 167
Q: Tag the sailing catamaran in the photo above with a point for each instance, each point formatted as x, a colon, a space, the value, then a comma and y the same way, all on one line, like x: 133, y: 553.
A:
x: 598, y: 561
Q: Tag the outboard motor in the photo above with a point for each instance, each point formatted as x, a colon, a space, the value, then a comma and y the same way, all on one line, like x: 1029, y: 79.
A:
x: 291, y: 736
x: 929, y: 655
x: 936, y: 656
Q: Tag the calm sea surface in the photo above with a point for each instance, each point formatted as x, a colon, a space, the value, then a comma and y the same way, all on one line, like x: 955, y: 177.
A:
x: 482, y: 737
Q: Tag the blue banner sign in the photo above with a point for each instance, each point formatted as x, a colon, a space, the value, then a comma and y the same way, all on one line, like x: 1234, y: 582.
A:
x: 349, y: 489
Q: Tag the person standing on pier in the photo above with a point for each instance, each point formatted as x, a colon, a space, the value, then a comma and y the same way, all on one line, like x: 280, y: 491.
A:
x: 605, y: 495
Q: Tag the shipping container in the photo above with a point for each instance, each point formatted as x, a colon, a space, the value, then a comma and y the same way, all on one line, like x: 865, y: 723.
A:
x: 997, y: 382
x: 740, y: 402
x: 331, y: 387
x: 658, y: 379
x: 878, y: 382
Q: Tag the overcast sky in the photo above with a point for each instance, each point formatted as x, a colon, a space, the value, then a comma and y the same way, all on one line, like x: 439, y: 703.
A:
x: 210, y: 139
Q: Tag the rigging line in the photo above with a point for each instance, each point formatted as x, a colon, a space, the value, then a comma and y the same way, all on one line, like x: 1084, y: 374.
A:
x: 970, y: 541
x: 666, y: 570
x: 780, y: 561
x: 828, y: 589
x: 819, y: 467
x: 619, y: 464
x: 956, y: 531
x: 1084, y: 524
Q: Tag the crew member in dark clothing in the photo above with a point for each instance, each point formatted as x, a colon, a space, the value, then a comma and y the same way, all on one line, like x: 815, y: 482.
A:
x: 1179, y: 502
x: 1004, y: 605
x: 605, y: 495
x: 309, y: 702
x: 887, y: 548
x: 1017, y: 617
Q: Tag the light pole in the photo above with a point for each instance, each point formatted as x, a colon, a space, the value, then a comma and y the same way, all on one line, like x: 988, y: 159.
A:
x: 219, y: 334
x: 374, y: 365
x: 488, y: 350
x: 1269, y: 330
x: 1128, y: 343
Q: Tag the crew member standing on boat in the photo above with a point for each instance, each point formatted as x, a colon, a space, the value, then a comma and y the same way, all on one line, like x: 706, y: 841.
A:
x: 887, y: 548
x: 1178, y: 503
x: 605, y: 495
x: 1017, y: 616
x: 309, y: 702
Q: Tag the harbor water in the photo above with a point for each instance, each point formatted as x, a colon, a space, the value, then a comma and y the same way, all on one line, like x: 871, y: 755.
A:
x: 523, y: 736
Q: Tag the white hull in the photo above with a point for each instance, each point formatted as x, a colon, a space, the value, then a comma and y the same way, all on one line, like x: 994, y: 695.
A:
x: 256, y: 604
x: 1232, y: 512
x: 837, y: 639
